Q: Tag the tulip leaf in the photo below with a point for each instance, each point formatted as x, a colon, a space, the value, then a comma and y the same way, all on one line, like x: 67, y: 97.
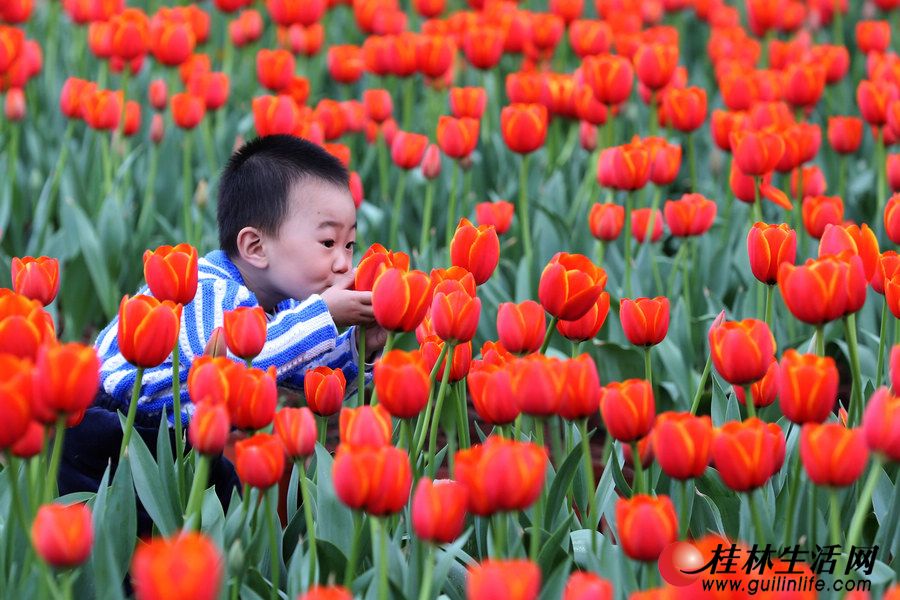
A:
x: 166, y: 463
x: 552, y: 547
x: 561, y: 482
x: 94, y: 257
x: 335, y: 521
x: 292, y: 493
x: 553, y: 586
x: 523, y: 281
x: 121, y: 517
x: 149, y: 486
x: 213, y: 517
x: 722, y: 501
x: 448, y: 555
x: 617, y: 474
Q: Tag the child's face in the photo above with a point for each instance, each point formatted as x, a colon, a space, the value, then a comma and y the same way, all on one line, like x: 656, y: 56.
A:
x: 315, y: 243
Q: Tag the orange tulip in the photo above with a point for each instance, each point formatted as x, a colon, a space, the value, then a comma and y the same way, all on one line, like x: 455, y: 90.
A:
x: 259, y: 460
x: 524, y: 126
x: 407, y: 149
x: 171, y: 272
x: 859, y: 241
x: 402, y: 383
x: 770, y: 246
x: 374, y: 262
x: 476, y: 249
x: 583, y: 585
x: 485, y: 471
x: 324, y: 390
x: 845, y: 134
x: 188, y: 110
x: 374, y: 479
x: 581, y: 396
x: 645, y: 321
x: 823, y: 289
x: 454, y: 312
x: 606, y: 221
x: 628, y: 409
x: 685, y: 109
x: 741, y: 350
x: 296, y: 428
x: 654, y: 64
x: 252, y: 396
x: 63, y: 535
x: 245, y: 330
x: 588, y: 326
x: 646, y: 525
x: 67, y: 377
x: 457, y: 138
x: 491, y: 389
x: 36, y: 278
x: 209, y: 428
x: 687, y: 440
x: 467, y: 102
x: 570, y: 285
x: 747, y: 453
x: 16, y: 377
x: 691, y: 215
x: 820, y: 211
x: 610, y: 76
x: 401, y: 298
x: 881, y: 424
x: 833, y: 455
x: 756, y: 152
x: 188, y: 565
x: 503, y: 580
x: 439, y: 510
x: 366, y: 425
x: 147, y: 330
x: 497, y: 214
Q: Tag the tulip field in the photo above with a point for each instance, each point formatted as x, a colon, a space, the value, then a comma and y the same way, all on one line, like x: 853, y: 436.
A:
x: 636, y: 261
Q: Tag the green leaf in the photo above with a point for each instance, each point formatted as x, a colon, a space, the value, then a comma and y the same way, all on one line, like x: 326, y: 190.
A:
x: 213, y: 517
x: 166, y: 462
x: 94, y: 256
x: 149, y: 486
x: 561, y: 482
x: 554, y: 585
x: 552, y: 547
x: 617, y: 475
x: 334, y: 519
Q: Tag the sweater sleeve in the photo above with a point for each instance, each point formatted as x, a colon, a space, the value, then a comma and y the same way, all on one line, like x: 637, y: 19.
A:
x: 344, y: 356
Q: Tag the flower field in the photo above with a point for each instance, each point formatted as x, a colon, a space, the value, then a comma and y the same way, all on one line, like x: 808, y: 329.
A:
x: 636, y: 262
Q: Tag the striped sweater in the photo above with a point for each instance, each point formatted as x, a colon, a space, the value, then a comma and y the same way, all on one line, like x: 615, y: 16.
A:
x: 301, y: 335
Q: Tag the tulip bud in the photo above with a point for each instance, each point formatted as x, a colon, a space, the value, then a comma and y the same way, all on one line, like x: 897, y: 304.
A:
x: 646, y: 525
x: 216, y: 346
x: 747, y: 453
x: 188, y: 565
x: 365, y: 426
x: 506, y: 579
x: 375, y: 479
x: 147, y: 330
x: 645, y: 321
x: 296, y: 428
x: 208, y: 431
x: 63, y: 535
x: 402, y: 383
x: 431, y: 162
x: 36, y: 278
x: 521, y: 327
x: 259, y: 460
x: 881, y: 424
x: 324, y: 389
x: 252, y: 396
x: 832, y: 454
x: 171, y: 272
x: 439, y: 510
x: 687, y: 441
x: 742, y: 350
x: 476, y: 249
x: 158, y: 92
x: 157, y: 129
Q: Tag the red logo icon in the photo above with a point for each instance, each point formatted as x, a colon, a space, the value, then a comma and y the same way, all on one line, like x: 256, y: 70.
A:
x: 681, y: 564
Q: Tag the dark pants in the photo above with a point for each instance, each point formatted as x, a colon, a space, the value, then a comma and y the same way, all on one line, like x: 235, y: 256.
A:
x: 91, y: 445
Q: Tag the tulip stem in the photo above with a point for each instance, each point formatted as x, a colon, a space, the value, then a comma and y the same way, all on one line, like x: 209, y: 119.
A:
x: 855, y: 412
x: 132, y: 410
x: 864, y: 502
x: 638, y: 469
x: 451, y: 208
x: 550, y: 328
x: 793, y: 496
x: 426, y: 217
x: 648, y: 367
x: 463, y: 410
x: 361, y: 365
x: 423, y: 420
x: 322, y: 423
x: 176, y: 417
x: 820, y: 340
x: 436, y: 417
x: 589, y: 477
x: 500, y: 524
x: 692, y: 161
x: 55, y: 457
x: 538, y: 510
x: 695, y: 404
x: 382, y: 151
x: 880, y: 171
x: 425, y: 591
x: 310, y: 522
x: 380, y: 532
x: 757, y: 521
x: 748, y: 402
x: 12, y: 473
x: 685, y: 521
x: 274, y: 560
x: 770, y: 289
x: 834, y: 517
x: 601, y: 251
x: 398, y: 205
x: 194, y: 505
x: 350, y: 572
x: 187, y: 182
x: 523, y: 208
x: 842, y: 176
x: 879, y: 369
x: 626, y: 234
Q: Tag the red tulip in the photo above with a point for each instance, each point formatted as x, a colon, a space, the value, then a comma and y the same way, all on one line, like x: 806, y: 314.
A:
x: 402, y: 383
x: 375, y: 479
x: 503, y: 580
x: 820, y: 211
x: 188, y: 565
x: 606, y: 221
x: 171, y: 272
x: 808, y: 386
x: 845, y: 134
x: 400, y: 299
x: 67, y: 377
x: 457, y: 138
x: 209, y: 428
x: 859, y: 241
x: 497, y: 214
x: 252, y: 396
x: 628, y: 409
x: 521, y: 327
x: 147, y: 330
x: 588, y: 326
x: 833, y: 455
x: 581, y: 396
x: 645, y: 321
x: 770, y: 246
x: 524, y: 126
x: 646, y: 525
x: 439, y: 510
x: 366, y: 425
x: 324, y: 389
x: 407, y: 149
x: 296, y: 428
x: 491, y: 388
x: 16, y: 380
x: 685, y: 109
x: 823, y: 289
x: 207, y: 379
x: 454, y: 312
x: 467, y: 102
x: 691, y: 215
x: 501, y: 475
x: 476, y: 249
x: 687, y: 440
x: 36, y: 278
x: 63, y: 535
x: 570, y: 285
x: 374, y: 262
x: 610, y: 76
x: 655, y: 63
x: 747, y: 453
x: 245, y: 330
x: 741, y: 350
x: 756, y: 152
x: 881, y: 424
x: 259, y: 460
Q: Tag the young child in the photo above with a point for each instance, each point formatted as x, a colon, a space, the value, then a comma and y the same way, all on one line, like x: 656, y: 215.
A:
x: 287, y: 228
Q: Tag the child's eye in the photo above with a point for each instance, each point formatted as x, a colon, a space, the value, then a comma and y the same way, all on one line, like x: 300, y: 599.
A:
x: 351, y: 245
x: 328, y: 243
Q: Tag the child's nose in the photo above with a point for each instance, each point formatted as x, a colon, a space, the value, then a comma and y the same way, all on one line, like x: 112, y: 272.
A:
x: 341, y: 263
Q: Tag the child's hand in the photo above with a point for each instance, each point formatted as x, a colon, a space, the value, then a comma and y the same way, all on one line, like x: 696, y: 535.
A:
x: 376, y: 337
x: 348, y: 306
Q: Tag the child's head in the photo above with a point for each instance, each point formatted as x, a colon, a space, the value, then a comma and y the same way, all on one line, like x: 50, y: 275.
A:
x: 286, y: 217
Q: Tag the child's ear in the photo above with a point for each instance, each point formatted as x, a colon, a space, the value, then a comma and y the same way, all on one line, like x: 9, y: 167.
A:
x: 251, y: 248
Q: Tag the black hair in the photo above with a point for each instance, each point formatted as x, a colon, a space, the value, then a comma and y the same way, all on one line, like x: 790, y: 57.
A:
x: 256, y: 183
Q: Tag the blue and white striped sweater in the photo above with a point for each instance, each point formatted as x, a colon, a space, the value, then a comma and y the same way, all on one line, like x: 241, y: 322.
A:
x: 301, y: 335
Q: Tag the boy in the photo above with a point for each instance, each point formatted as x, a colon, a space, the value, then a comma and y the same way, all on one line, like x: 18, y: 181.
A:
x: 287, y: 227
